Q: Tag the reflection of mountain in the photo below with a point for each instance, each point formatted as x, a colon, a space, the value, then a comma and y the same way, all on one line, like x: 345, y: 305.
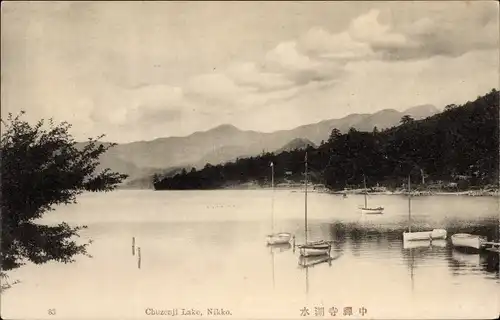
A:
x: 461, y: 262
x: 361, y: 236
x: 367, y: 239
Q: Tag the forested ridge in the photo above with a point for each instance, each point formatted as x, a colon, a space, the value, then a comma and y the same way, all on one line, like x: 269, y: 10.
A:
x: 458, y: 145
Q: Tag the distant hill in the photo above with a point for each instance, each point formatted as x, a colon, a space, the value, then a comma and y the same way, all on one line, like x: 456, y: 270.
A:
x: 296, y: 144
x: 227, y: 143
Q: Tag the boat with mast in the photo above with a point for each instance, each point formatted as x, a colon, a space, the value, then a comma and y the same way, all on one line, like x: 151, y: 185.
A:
x: 366, y: 209
x: 312, y: 248
x: 420, y: 235
x: 280, y: 237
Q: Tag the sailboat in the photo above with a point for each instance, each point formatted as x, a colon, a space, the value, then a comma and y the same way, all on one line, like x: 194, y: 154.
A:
x: 421, y: 235
x: 280, y: 237
x: 366, y: 209
x: 314, y: 248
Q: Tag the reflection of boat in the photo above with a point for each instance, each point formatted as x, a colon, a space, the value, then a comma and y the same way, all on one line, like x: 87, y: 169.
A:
x: 421, y: 235
x: 467, y: 259
x: 280, y: 247
x: 466, y: 240
x: 424, y: 243
x: 366, y: 209
x: 311, y: 261
x: 281, y: 237
x: 315, y: 248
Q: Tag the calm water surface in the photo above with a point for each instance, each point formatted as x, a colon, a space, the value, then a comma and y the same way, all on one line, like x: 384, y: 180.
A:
x: 206, y: 249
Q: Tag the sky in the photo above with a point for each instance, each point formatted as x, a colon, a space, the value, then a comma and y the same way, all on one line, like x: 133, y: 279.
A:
x: 143, y: 70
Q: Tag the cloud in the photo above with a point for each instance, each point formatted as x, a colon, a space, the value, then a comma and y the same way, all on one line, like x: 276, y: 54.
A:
x: 368, y: 29
x: 136, y: 105
x: 320, y: 43
x: 249, y: 74
x: 90, y: 65
x: 444, y: 32
x: 286, y: 56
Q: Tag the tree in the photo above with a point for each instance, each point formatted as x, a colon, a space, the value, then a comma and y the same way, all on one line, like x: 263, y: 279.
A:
x: 406, y: 119
x: 334, y: 135
x: 450, y: 107
x: 42, y: 168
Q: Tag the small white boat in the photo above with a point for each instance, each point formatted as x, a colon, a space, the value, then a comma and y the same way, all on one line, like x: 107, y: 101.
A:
x: 368, y: 210
x: 434, y: 234
x: 279, y: 238
x: 378, y: 210
x: 466, y: 240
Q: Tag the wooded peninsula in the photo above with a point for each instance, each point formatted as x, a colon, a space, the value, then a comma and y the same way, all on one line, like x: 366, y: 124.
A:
x: 457, y: 148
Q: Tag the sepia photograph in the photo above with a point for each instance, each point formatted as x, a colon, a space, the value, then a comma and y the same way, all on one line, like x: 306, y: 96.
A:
x: 250, y: 160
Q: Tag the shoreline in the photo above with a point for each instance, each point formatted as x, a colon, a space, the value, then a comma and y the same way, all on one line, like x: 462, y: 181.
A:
x: 471, y: 192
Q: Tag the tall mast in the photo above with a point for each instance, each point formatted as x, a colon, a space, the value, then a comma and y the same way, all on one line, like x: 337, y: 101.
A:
x: 409, y: 204
x: 272, y: 201
x: 305, y: 202
x: 364, y: 182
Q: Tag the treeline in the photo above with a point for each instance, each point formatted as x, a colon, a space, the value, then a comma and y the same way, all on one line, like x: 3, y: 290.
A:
x: 458, y: 145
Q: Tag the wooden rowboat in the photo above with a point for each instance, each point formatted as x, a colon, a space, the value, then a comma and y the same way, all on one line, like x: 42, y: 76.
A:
x: 466, y: 240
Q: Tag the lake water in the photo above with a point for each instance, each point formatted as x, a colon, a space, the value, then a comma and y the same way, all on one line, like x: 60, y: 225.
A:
x: 206, y: 249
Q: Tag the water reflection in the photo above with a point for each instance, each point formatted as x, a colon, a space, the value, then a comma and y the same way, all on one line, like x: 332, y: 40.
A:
x: 312, y: 261
x: 467, y: 260
x: 277, y: 249
x: 424, y: 244
x: 364, y: 239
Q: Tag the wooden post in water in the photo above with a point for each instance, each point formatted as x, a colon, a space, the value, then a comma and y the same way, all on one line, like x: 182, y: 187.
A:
x: 366, y: 191
x: 139, y: 257
x: 133, y: 246
x: 409, y: 204
x: 272, y: 201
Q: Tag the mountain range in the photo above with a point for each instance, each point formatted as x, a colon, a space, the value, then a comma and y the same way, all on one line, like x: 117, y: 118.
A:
x: 226, y: 142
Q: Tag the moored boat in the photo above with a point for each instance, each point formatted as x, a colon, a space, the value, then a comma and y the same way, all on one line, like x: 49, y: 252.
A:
x: 434, y: 234
x: 368, y: 210
x: 378, y: 210
x: 279, y: 238
x: 466, y: 240
x: 312, y: 248
x: 317, y: 248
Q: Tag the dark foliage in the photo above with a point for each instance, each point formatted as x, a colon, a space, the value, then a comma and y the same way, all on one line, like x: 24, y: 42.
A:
x: 460, y: 142
x: 41, y: 168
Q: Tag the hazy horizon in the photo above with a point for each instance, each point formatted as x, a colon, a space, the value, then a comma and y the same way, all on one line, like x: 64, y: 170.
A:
x: 138, y: 71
